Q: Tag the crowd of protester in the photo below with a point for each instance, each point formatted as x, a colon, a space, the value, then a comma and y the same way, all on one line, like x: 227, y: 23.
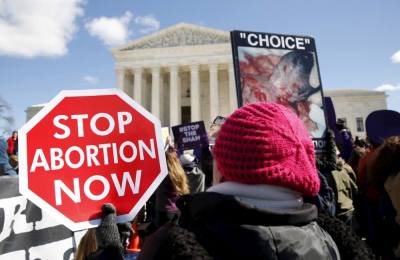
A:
x: 261, y: 192
x: 272, y: 197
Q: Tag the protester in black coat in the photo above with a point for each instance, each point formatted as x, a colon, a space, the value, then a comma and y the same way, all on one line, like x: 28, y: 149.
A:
x: 266, y: 165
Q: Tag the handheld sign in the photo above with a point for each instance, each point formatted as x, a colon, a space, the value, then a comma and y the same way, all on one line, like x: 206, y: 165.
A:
x: 87, y: 148
x: 190, y: 136
x: 281, y: 69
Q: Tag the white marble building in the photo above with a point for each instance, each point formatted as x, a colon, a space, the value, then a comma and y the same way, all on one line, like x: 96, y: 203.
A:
x: 181, y: 74
x: 354, y: 105
x: 184, y: 73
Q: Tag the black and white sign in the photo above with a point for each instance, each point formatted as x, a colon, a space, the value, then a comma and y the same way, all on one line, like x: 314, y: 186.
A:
x: 189, y: 136
x: 28, y: 233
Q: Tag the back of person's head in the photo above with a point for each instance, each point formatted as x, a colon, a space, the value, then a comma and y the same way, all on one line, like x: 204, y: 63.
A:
x: 386, y: 162
x: 188, y: 161
x: 176, y: 173
x: 340, y: 124
x: 87, y: 245
x: 266, y: 143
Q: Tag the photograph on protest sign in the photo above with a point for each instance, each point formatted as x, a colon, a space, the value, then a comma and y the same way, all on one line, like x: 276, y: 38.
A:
x: 282, y: 69
x: 190, y: 136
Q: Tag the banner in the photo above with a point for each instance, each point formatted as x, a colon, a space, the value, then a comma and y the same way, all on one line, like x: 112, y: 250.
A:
x: 28, y: 233
x: 190, y: 136
x: 282, y: 69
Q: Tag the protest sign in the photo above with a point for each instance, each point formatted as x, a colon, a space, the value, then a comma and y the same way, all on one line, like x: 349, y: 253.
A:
x: 26, y: 232
x: 190, y: 136
x: 90, y: 147
x: 282, y: 69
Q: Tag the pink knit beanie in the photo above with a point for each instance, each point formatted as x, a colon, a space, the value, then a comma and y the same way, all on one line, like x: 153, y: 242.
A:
x: 266, y: 143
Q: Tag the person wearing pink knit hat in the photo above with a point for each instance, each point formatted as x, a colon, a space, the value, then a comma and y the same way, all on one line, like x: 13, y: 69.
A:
x: 266, y: 143
x: 265, y: 165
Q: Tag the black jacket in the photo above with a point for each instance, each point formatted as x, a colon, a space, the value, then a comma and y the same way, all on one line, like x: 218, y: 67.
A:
x: 216, y: 226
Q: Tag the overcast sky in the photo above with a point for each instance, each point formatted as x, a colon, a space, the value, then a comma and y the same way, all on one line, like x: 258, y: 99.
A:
x: 48, y: 46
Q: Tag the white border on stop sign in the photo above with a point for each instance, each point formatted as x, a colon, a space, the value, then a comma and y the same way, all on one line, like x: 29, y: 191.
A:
x: 23, y: 164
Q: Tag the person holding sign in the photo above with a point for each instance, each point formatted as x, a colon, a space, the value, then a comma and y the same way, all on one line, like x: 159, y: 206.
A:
x: 172, y: 187
x: 255, y: 210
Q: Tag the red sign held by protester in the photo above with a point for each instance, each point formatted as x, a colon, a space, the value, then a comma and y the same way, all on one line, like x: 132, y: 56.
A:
x: 87, y: 148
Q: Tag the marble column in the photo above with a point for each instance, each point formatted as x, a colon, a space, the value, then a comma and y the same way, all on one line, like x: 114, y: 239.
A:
x: 174, y: 100
x: 232, y: 89
x: 194, y: 93
x: 155, y: 91
x: 214, y: 95
x: 120, y: 73
x: 137, y: 85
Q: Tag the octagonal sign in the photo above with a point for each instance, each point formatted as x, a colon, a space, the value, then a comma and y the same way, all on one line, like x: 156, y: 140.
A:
x: 89, y: 147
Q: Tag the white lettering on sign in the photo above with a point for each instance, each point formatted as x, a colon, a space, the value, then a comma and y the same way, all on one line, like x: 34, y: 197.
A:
x: 57, y: 123
x: 88, y: 183
x: 122, y: 151
x: 74, y: 193
x: 123, y: 119
x: 39, y: 160
x: 92, y: 155
x: 56, y: 161
x: 126, y: 177
x: 191, y: 139
x: 319, y: 144
x: 81, y: 157
x: 276, y: 41
x: 188, y: 128
x: 79, y: 121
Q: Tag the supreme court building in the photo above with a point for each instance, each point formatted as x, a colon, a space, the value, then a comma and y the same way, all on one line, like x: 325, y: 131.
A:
x: 184, y: 73
x: 180, y: 74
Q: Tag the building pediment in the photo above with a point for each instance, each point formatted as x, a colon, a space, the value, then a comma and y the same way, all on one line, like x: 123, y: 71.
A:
x: 182, y: 34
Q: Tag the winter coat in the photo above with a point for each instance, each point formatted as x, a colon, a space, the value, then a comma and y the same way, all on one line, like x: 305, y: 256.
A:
x: 218, y: 226
x: 166, y: 197
x: 12, y: 146
x: 345, y: 188
x: 5, y: 167
x: 196, y: 179
x: 346, y: 144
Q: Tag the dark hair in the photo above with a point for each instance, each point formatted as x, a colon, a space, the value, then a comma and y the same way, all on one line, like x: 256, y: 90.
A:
x: 387, y: 161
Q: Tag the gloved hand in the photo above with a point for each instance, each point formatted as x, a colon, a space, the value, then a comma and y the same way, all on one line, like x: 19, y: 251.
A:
x: 110, y: 241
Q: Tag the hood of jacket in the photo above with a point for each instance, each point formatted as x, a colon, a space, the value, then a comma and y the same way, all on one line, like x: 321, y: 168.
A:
x: 231, y: 229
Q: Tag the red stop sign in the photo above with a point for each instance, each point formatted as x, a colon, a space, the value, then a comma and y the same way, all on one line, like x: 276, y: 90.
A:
x: 87, y: 148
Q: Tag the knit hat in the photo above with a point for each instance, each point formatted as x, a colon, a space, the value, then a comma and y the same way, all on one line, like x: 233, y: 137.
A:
x: 107, y: 234
x: 187, y: 159
x: 266, y: 143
